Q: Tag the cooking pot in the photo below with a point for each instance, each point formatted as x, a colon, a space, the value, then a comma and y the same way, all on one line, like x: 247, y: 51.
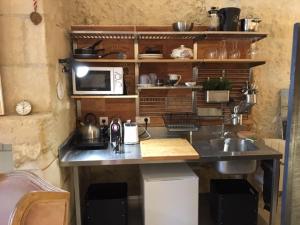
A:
x: 250, y: 24
x: 88, y: 129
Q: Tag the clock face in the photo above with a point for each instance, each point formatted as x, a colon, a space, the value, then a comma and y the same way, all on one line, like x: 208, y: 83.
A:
x: 23, y: 108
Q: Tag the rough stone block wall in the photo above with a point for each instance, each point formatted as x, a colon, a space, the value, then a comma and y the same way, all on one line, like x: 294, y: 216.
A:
x: 29, y: 68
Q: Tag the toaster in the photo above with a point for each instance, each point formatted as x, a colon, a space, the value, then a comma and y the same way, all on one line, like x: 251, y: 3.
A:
x: 131, y: 133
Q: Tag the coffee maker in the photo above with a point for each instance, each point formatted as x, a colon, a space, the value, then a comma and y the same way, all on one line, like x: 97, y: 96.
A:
x: 116, y: 134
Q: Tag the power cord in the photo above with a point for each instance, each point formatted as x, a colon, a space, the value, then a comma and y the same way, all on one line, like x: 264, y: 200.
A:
x: 145, y: 132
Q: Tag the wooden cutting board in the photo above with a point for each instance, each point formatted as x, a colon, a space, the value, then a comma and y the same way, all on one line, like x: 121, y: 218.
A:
x: 168, y: 149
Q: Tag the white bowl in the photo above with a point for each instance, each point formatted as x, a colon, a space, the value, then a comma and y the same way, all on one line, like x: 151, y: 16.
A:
x: 190, y: 84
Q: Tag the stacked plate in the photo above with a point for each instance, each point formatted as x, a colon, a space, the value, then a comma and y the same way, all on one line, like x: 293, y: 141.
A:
x: 150, y: 56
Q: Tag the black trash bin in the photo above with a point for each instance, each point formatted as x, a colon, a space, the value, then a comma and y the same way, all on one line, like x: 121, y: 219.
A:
x: 233, y: 202
x: 106, y: 204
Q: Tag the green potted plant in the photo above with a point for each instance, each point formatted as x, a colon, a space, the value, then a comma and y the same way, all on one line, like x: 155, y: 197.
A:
x: 217, y: 90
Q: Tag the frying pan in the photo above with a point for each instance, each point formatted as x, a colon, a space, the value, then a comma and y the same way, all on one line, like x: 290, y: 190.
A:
x: 91, y: 50
x: 120, y: 55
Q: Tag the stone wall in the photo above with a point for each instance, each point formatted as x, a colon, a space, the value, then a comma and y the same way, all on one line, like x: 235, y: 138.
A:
x: 278, y: 19
x: 29, y: 68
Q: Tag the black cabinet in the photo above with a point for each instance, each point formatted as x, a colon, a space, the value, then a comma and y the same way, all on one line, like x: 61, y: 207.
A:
x: 106, y: 204
x: 233, y: 202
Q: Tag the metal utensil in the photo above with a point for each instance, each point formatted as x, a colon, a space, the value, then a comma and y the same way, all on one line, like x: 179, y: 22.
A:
x: 183, y: 26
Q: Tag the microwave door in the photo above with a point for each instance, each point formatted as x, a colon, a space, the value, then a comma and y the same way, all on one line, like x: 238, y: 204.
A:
x: 95, y: 82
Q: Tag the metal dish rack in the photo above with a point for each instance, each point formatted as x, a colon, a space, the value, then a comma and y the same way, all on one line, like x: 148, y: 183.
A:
x: 157, y: 106
x: 180, y: 122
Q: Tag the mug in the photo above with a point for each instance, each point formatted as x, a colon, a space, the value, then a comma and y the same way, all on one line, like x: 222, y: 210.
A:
x: 174, y: 79
x: 145, y: 79
x: 153, y: 78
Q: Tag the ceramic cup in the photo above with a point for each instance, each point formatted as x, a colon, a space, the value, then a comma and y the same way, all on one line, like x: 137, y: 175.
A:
x: 153, y: 78
x: 145, y: 79
x: 174, y: 79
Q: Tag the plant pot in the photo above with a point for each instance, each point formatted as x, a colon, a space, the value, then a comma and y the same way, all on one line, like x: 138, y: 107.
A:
x: 214, y: 96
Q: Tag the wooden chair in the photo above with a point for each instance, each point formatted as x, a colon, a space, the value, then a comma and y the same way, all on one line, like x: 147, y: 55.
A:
x: 26, y: 199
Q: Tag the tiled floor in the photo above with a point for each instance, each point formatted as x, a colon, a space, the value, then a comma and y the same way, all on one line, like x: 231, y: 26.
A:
x: 135, y: 213
x: 264, y: 215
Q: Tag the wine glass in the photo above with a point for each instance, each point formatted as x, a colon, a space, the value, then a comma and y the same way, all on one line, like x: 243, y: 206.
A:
x: 234, y: 51
x: 223, y: 50
x: 212, y: 53
x: 252, y: 51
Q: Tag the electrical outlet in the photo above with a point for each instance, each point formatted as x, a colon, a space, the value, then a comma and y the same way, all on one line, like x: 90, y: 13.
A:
x: 141, y: 119
x: 103, y: 119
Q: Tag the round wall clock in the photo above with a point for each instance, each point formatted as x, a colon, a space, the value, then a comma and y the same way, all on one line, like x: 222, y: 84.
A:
x: 23, y: 108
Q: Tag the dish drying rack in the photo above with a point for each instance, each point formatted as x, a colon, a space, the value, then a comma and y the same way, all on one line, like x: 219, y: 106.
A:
x: 159, y: 106
x: 181, y: 122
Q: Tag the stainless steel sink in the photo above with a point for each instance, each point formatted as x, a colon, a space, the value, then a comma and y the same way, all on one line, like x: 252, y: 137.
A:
x: 234, y: 146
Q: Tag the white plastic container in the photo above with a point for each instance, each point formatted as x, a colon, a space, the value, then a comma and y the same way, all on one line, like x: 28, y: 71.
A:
x: 131, y: 133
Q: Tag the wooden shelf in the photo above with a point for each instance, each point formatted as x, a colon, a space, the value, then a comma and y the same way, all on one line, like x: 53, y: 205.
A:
x: 169, y: 60
x: 167, y: 35
x: 107, y: 60
x: 250, y: 62
x: 221, y: 35
x: 169, y: 87
x: 103, y: 96
x: 140, y: 60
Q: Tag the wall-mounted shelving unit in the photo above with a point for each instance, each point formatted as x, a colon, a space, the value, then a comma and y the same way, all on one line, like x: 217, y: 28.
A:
x: 135, y: 38
x: 165, y: 35
x: 104, y: 96
x: 171, y: 88
x: 248, y: 62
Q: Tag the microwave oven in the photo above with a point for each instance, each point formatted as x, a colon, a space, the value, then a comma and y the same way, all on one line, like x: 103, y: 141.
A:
x: 99, y: 81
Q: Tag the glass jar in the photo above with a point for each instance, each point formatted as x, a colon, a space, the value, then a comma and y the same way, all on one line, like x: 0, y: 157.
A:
x: 214, y: 20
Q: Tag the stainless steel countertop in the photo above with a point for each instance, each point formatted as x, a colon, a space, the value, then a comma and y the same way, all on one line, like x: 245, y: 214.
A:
x: 69, y: 156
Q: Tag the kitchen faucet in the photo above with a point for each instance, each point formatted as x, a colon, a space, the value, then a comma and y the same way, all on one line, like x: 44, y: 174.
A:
x: 224, y: 133
x: 244, y: 106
